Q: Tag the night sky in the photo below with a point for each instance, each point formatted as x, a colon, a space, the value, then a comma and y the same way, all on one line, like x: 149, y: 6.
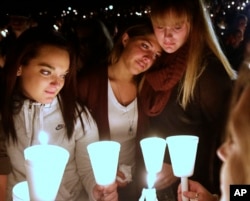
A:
x: 39, y: 5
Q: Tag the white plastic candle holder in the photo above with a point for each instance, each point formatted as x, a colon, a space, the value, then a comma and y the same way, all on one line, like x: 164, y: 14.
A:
x: 104, y: 157
x: 182, y: 150
x: 153, y: 150
x: 20, y: 192
x: 45, y: 165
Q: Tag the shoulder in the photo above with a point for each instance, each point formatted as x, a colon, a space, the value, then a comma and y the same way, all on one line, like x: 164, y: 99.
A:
x: 213, y: 69
x: 214, y: 79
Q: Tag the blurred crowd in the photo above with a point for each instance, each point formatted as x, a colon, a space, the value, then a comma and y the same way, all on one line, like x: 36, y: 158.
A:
x: 99, y: 31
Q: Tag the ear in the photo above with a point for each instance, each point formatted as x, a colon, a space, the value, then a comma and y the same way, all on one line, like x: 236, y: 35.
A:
x: 19, y: 71
x: 125, y: 39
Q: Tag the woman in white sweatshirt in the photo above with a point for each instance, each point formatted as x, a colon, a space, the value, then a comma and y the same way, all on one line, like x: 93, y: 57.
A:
x: 38, y: 94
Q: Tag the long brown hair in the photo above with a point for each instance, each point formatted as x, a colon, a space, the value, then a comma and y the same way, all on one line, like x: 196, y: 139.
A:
x: 134, y: 31
x: 27, y: 47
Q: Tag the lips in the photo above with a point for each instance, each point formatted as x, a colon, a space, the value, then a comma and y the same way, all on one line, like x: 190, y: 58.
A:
x: 51, y: 92
x: 142, y: 64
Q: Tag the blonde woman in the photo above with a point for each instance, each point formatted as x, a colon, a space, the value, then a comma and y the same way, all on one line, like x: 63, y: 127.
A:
x: 235, y: 151
x: 188, y: 90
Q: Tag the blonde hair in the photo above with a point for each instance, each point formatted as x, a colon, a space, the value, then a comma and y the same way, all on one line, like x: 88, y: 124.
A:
x: 240, y: 118
x: 201, y: 36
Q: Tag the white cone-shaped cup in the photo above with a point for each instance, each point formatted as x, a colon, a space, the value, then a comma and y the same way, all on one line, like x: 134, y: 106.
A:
x: 182, y: 150
x: 153, y: 150
x: 20, y: 192
x: 45, y: 165
x: 104, y: 156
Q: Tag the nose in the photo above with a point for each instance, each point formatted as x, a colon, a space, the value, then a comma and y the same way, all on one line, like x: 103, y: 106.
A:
x: 149, y: 57
x: 168, y: 33
x: 56, y: 80
x: 221, y: 152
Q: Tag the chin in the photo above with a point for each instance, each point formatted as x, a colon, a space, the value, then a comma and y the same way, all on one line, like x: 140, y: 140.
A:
x: 47, y: 101
x: 170, y: 50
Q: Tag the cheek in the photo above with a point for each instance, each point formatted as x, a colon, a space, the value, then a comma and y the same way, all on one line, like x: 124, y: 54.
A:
x: 159, y: 35
x: 182, y: 38
x: 230, y: 173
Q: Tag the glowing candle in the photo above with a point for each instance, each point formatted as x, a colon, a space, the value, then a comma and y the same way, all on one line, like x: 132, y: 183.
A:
x: 182, y: 150
x: 149, y: 194
x: 45, y: 165
x: 153, y: 150
x: 104, y: 157
x: 20, y: 192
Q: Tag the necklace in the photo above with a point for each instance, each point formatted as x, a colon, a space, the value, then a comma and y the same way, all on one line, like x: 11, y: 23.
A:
x: 127, y: 113
x: 130, y: 120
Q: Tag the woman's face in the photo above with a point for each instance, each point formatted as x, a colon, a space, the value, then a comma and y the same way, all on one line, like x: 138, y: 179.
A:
x: 43, y: 77
x: 235, y: 148
x: 140, y: 53
x: 171, y: 36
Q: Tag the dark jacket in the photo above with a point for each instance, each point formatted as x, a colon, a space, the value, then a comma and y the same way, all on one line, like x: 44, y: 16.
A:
x: 204, y: 117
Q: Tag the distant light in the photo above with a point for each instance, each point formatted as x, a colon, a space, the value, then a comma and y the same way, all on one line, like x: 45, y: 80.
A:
x: 69, y: 8
x: 4, y: 32
x: 111, y: 7
x: 138, y: 14
x: 56, y: 27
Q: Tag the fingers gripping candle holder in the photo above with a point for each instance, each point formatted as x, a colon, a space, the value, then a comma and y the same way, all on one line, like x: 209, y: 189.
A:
x: 182, y: 150
x: 153, y: 150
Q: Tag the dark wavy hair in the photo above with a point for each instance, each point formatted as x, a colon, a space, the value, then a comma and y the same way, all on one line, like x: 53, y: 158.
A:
x: 26, y: 48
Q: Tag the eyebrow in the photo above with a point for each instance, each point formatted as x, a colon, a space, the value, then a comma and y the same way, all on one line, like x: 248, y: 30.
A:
x: 49, y: 66
x: 46, y: 65
x: 158, y: 52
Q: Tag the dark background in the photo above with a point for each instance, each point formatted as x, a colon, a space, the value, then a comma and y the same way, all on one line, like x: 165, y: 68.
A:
x: 54, y: 8
x: 38, y: 5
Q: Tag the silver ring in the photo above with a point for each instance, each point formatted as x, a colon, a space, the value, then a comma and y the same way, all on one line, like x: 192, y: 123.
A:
x: 196, y: 196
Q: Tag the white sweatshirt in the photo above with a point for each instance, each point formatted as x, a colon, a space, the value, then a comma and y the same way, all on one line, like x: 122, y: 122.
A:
x: 78, y: 175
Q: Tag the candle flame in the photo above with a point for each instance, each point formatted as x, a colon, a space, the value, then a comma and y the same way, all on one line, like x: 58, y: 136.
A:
x: 43, y: 137
x: 151, y: 178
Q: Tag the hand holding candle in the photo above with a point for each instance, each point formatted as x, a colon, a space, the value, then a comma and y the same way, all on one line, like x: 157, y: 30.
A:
x: 182, y: 150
